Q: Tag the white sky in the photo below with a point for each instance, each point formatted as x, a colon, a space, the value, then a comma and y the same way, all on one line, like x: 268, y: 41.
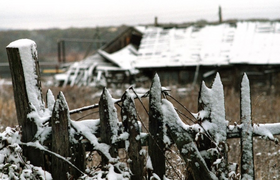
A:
x: 42, y: 14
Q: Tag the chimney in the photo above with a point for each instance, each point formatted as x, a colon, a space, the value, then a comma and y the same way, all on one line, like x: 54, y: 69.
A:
x: 156, y: 22
x: 220, y: 15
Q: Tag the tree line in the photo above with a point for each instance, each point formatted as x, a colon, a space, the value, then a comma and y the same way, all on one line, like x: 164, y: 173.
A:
x: 46, y: 39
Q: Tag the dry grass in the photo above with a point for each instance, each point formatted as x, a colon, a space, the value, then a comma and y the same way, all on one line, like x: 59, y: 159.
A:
x: 7, y: 107
x: 264, y: 110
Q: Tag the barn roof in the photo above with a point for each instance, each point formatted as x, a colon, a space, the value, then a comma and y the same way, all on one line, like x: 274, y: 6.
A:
x: 211, y: 45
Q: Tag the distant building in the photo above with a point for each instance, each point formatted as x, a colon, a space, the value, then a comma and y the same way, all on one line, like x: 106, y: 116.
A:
x: 178, y: 54
x: 194, y: 53
x: 111, y: 65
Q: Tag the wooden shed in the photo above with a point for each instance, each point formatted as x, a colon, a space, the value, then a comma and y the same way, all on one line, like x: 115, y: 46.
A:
x: 195, y: 53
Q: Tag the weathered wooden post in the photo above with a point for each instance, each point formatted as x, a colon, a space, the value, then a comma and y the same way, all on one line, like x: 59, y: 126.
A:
x: 60, y: 122
x: 247, y: 154
x: 156, y: 145
x: 129, y: 117
x: 108, y: 123
x: 212, y: 110
x: 60, y: 137
x: 78, y: 156
x: 24, y: 66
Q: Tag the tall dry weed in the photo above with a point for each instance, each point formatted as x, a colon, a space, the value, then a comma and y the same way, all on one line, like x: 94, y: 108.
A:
x: 8, y: 115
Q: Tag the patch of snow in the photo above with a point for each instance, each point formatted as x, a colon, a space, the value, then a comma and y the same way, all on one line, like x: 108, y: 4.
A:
x: 155, y: 176
x: 123, y: 58
x: 11, y: 158
x: 213, y: 108
x: 149, y: 164
x: 50, y: 100
x: 112, y: 175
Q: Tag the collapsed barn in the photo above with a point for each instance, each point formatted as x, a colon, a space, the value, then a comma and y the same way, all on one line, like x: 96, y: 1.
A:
x: 185, y: 55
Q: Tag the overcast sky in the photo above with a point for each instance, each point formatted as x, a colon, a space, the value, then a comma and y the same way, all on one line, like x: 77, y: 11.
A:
x: 42, y: 14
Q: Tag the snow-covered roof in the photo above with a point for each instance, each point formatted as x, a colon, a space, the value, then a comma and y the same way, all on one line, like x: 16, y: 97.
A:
x: 211, y: 45
x: 214, y: 45
x: 256, y: 43
x: 122, y: 58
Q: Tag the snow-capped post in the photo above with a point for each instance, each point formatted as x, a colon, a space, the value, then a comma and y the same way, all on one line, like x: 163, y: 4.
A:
x: 60, y: 137
x: 156, y: 145
x: 24, y: 66
x: 211, y: 117
x: 131, y: 126
x: 247, y: 154
x: 108, y: 124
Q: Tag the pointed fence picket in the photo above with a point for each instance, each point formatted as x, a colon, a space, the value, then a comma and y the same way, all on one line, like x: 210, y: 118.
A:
x: 108, y: 124
x: 156, y: 144
x: 203, y: 145
x: 60, y: 137
x: 131, y: 126
x: 247, y: 160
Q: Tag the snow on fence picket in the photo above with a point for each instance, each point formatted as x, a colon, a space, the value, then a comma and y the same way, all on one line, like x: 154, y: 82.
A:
x: 49, y: 137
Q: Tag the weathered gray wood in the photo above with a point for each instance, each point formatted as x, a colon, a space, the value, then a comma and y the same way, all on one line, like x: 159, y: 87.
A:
x: 212, y: 109
x: 247, y: 154
x: 108, y: 123
x: 78, y: 156
x: 129, y: 119
x: 156, y: 145
x: 184, y: 139
x: 22, y: 95
x: 60, y: 138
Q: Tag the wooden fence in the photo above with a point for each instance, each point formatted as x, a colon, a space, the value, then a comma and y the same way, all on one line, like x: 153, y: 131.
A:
x: 203, y: 145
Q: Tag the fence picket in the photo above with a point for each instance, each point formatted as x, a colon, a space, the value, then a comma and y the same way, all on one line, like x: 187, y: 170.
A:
x: 108, y: 123
x: 60, y: 137
x: 129, y: 117
x: 212, y: 109
x: 78, y: 155
x: 247, y: 155
x: 156, y: 145
x: 25, y: 75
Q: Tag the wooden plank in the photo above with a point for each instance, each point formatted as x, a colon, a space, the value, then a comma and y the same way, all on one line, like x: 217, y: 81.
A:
x: 78, y: 156
x: 212, y: 113
x: 60, y: 137
x: 129, y: 117
x: 22, y: 95
x: 156, y: 145
x: 108, y: 124
x: 247, y: 154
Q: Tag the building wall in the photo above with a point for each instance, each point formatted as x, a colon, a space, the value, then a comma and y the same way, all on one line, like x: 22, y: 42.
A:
x: 260, y: 76
x: 130, y: 35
